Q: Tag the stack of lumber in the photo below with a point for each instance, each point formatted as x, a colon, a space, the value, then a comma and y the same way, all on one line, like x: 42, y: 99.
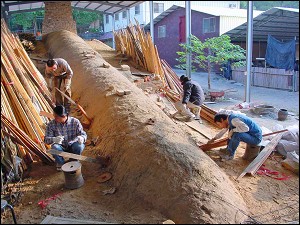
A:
x: 24, y: 94
x: 135, y: 43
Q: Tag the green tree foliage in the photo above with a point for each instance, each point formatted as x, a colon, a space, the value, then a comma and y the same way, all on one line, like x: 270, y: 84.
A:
x: 25, y: 19
x: 85, y: 18
x: 265, y: 5
x: 213, y: 51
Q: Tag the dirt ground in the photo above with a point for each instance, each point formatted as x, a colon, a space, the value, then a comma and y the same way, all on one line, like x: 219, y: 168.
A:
x: 268, y: 200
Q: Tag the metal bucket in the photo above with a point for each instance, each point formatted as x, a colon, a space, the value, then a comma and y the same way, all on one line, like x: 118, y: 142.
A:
x: 73, y: 176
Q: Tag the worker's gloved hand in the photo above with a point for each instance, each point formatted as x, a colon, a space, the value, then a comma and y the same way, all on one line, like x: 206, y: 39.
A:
x: 230, y: 133
x: 58, y: 139
x: 80, y: 139
x: 67, y: 84
x: 184, y: 106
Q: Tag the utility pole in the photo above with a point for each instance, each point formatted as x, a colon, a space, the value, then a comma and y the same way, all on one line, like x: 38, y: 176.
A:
x: 188, y: 37
x: 249, y: 49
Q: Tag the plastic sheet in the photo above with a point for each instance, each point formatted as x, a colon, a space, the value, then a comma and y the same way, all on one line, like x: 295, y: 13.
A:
x: 281, y: 55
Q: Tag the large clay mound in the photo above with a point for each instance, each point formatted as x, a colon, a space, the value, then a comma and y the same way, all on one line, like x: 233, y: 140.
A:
x: 158, y: 164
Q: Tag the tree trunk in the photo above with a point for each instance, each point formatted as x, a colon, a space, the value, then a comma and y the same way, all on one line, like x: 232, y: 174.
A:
x: 208, y: 69
x: 208, y: 76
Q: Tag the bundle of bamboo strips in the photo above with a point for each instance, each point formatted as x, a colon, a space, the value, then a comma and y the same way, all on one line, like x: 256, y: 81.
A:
x: 133, y: 42
x: 24, y: 94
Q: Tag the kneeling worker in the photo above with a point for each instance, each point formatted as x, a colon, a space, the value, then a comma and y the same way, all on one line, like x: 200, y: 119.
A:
x: 240, y: 128
x: 193, y: 98
x: 64, y: 133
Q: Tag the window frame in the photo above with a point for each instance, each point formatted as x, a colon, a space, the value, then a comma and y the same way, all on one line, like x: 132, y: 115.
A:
x: 209, y: 25
x: 157, y: 6
x: 107, y: 18
x: 117, y: 17
x: 124, y: 13
x: 159, y: 32
x: 137, y: 8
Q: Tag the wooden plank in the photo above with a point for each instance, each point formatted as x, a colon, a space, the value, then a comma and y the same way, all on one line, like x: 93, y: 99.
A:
x: 46, y: 114
x: 200, y: 128
x: 215, y: 144
x: 223, y: 141
x: 61, y: 220
x: 73, y: 156
x: 263, y: 155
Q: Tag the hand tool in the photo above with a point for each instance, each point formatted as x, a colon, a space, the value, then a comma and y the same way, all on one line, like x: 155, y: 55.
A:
x: 79, y: 106
x: 100, y: 160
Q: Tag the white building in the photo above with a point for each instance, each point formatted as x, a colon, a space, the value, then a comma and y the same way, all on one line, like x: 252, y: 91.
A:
x: 141, y: 12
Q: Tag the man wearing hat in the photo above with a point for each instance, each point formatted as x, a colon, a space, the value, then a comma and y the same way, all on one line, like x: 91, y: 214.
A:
x: 64, y: 133
x: 193, y: 98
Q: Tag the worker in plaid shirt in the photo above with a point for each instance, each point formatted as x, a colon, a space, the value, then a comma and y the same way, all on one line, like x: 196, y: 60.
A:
x: 64, y: 133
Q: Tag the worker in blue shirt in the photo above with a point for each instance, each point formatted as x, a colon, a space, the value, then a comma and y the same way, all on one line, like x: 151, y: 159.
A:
x: 240, y: 128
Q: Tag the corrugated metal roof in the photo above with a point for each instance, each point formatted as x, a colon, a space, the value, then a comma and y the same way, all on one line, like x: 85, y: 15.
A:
x: 162, y: 15
x: 215, y: 11
x: 281, y: 23
x: 106, y: 7
x: 220, y: 11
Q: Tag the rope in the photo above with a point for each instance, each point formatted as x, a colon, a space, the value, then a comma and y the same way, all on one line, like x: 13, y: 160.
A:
x: 272, y: 173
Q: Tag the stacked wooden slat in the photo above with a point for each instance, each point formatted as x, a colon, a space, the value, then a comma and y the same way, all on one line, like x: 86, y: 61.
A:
x: 208, y: 114
x: 133, y: 42
x: 24, y: 94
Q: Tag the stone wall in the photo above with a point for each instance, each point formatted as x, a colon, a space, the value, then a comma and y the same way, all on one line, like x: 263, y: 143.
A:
x: 58, y: 16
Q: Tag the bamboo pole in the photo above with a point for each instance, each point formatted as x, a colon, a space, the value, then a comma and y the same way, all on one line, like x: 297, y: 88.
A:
x: 22, y: 55
x: 25, y: 140
x: 18, y: 86
x: 6, y: 105
x: 31, y: 125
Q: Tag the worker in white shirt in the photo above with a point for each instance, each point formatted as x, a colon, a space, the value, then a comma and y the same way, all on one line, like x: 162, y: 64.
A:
x: 240, y: 128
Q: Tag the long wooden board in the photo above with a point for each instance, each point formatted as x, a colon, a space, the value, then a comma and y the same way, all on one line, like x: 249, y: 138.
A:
x: 60, y: 220
x: 223, y: 141
x: 263, y: 155
x: 200, y: 128
x: 73, y: 156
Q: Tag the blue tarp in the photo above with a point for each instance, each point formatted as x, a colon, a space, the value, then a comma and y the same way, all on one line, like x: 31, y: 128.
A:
x: 281, y: 55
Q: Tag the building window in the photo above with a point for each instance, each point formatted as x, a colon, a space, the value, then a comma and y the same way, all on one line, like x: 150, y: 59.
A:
x: 137, y: 9
x: 124, y: 14
x: 158, y: 7
x: 209, y: 25
x: 107, y: 18
x: 117, y: 16
x: 162, y: 31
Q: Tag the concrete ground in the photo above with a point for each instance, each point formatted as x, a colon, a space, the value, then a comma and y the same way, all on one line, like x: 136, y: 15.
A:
x: 258, y: 95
